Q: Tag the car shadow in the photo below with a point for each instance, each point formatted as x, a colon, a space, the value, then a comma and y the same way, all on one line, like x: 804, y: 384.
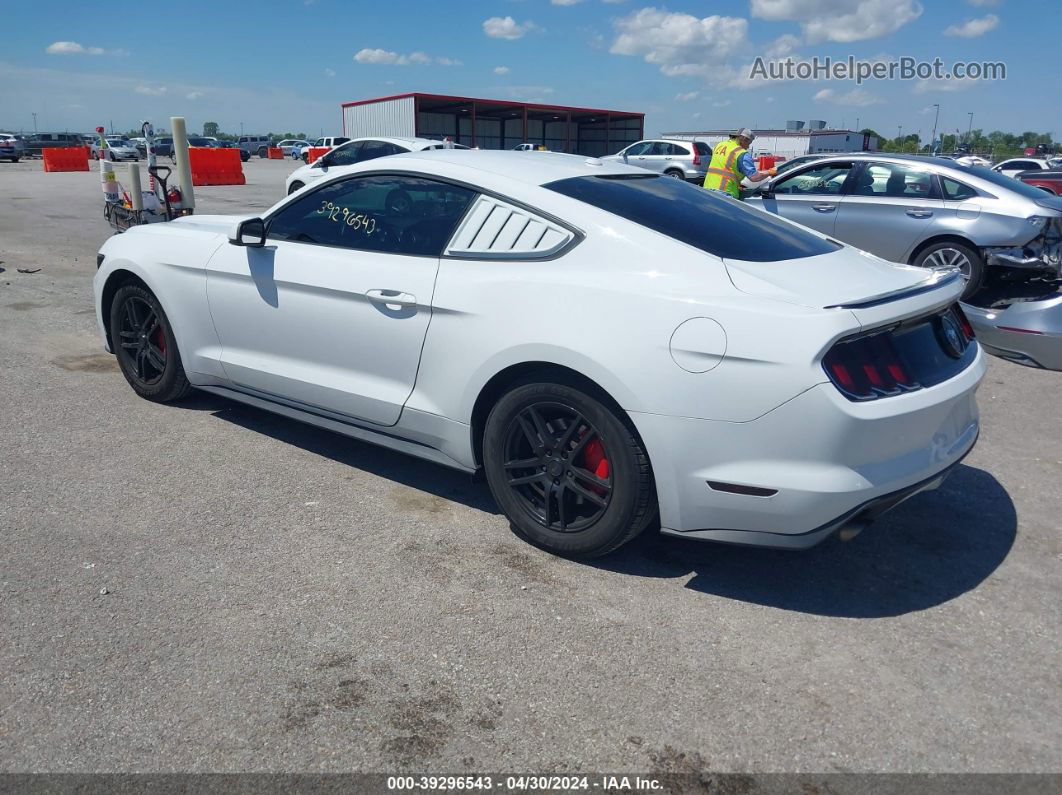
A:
x: 933, y: 548
x: 436, y: 479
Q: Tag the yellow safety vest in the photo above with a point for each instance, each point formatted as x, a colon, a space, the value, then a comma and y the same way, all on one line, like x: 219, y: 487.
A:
x: 723, y: 172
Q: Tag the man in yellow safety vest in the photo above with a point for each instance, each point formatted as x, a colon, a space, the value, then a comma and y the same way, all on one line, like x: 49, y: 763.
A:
x: 731, y: 162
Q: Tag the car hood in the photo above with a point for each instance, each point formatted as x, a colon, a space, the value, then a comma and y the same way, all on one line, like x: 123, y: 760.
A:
x: 844, y: 277
x: 1050, y: 203
x: 214, y: 224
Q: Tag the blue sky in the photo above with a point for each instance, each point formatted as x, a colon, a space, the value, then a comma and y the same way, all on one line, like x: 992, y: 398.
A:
x: 288, y: 65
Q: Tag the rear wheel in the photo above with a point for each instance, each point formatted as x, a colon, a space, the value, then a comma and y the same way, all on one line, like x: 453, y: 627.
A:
x: 571, y: 476
x: 294, y: 187
x: 263, y: 152
x: 143, y: 341
x: 949, y: 255
x: 675, y: 173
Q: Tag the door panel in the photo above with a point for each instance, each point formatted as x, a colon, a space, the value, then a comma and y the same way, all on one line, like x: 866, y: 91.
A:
x: 810, y: 196
x: 298, y: 321
x: 889, y: 208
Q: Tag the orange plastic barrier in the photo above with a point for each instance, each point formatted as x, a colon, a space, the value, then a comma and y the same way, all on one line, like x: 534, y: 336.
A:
x: 216, y: 166
x: 767, y: 161
x: 276, y: 153
x: 315, y: 152
x: 72, y: 158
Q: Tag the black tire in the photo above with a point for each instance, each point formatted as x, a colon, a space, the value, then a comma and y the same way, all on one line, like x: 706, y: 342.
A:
x: 149, y: 360
x: 941, y: 254
x: 675, y: 173
x: 538, y: 510
x: 294, y: 187
x: 263, y: 152
x: 14, y: 160
x: 305, y: 157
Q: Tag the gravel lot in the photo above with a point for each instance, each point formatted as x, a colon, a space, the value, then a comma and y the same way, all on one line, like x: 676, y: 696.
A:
x: 210, y: 587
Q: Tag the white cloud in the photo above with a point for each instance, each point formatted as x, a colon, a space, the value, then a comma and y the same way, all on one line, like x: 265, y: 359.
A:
x: 151, y: 91
x: 564, y: 2
x: 829, y: 20
x: 330, y: 72
x: 389, y: 58
x: 782, y: 46
x: 721, y: 104
x: 680, y: 44
x: 856, y: 98
x: 73, y: 48
x: 501, y: 70
x: 769, y: 99
x: 689, y: 96
x: 508, y: 28
x: 984, y: 3
x: 972, y: 28
x: 193, y: 95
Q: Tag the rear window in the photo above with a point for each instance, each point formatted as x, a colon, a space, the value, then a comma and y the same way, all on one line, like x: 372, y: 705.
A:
x: 697, y: 217
x: 702, y: 148
x: 1004, y: 182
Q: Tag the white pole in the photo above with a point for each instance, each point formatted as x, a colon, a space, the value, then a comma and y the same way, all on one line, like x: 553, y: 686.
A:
x: 107, y: 179
x: 136, y: 198
x: 149, y: 147
x: 184, y: 168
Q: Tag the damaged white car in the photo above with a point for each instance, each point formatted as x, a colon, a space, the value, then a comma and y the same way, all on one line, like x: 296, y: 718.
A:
x: 925, y: 211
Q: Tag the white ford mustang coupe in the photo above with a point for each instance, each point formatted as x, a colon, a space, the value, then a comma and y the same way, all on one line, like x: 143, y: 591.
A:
x: 607, y: 344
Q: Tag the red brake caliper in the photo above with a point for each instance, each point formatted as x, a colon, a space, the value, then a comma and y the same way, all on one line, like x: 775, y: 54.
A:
x: 160, y: 340
x: 594, y: 456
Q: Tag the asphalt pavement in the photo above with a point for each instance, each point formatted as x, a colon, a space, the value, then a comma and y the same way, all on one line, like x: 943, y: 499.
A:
x: 209, y: 587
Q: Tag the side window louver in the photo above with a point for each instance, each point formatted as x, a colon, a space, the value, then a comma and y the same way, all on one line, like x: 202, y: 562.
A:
x: 494, y: 229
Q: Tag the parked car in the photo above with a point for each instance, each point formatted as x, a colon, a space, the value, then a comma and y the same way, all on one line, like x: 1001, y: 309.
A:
x: 255, y: 144
x: 244, y: 154
x: 1010, y: 168
x: 929, y: 212
x: 194, y: 142
x: 120, y: 149
x: 164, y: 147
x: 326, y: 142
x: 290, y: 143
x: 357, y: 151
x: 529, y: 148
x: 686, y: 160
x: 1048, y: 181
x: 603, y: 343
x: 36, y: 143
x: 12, y: 147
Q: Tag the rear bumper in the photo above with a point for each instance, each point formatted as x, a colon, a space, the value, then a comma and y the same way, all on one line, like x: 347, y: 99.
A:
x: 816, y: 464
x: 1036, y: 343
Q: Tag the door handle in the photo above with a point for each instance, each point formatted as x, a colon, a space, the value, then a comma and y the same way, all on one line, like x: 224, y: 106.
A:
x: 391, y: 297
x: 824, y: 208
x: 916, y: 213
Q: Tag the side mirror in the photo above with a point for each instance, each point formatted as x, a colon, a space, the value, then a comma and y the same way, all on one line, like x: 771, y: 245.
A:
x: 251, y: 232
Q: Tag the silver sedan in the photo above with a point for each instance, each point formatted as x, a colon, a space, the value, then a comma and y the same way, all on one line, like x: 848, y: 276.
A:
x: 929, y: 212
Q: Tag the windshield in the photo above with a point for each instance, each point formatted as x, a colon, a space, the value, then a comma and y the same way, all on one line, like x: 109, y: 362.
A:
x: 700, y: 218
x: 1005, y: 182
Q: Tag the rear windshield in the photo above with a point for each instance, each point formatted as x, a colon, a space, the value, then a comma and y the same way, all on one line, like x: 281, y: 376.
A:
x: 700, y: 218
x: 1008, y: 183
x: 702, y: 148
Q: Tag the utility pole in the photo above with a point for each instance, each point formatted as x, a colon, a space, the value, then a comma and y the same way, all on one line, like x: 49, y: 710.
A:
x: 936, y: 118
x: 241, y: 129
x: 899, y: 135
x: 34, y: 122
x: 969, y: 129
x: 858, y: 128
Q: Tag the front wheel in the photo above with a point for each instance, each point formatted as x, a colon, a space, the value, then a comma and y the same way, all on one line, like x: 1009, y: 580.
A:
x: 674, y: 173
x: 948, y: 255
x: 571, y: 476
x: 143, y: 341
x: 294, y: 187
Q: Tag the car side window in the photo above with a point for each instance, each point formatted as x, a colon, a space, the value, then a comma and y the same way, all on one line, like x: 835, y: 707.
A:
x: 893, y: 181
x: 955, y: 190
x: 824, y: 180
x: 640, y: 148
x: 346, y: 155
x: 370, y: 150
x: 391, y: 214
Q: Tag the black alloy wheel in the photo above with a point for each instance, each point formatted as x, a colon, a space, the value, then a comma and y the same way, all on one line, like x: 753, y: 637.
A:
x: 557, y: 466
x: 567, y: 470
x: 143, y: 341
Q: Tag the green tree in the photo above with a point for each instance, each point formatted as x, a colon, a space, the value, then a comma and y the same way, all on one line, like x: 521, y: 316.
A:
x: 210, y: 129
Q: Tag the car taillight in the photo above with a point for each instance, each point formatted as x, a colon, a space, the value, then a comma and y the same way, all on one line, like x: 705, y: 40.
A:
x: 964, y: 322
x: 696, y: 158
x: 911, y: 355
x: 868, y: 367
